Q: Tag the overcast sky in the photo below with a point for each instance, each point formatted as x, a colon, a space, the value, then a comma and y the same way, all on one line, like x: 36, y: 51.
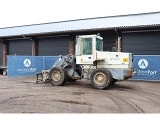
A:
x: 26, y: 12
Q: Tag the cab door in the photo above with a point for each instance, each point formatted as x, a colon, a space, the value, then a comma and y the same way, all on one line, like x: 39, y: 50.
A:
x: 87, y: 50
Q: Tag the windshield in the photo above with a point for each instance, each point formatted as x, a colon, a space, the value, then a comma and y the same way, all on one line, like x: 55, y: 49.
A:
x: 99, y: 44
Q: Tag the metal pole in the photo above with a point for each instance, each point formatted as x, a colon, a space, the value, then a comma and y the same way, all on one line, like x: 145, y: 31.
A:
x: 119, y: 44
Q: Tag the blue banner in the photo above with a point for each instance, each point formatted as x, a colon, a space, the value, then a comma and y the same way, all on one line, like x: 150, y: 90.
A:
x: 49, y: 61
x: 28, y: 65
x: 147, y: 67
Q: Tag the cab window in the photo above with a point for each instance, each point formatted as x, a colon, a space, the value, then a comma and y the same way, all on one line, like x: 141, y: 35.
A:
x: 99, y: 44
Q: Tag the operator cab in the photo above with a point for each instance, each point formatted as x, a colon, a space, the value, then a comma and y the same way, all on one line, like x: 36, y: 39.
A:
x: 86, y: 47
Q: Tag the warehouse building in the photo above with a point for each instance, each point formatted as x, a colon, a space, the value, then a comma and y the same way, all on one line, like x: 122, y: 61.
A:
x: 139, y: 34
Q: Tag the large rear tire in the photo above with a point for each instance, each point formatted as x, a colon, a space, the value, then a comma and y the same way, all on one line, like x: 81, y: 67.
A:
x: 101, y: 78
x: 58, y: 76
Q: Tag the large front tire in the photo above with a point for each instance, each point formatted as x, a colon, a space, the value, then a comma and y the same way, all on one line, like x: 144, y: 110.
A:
x: 101, y: 78
x: 58, y: 76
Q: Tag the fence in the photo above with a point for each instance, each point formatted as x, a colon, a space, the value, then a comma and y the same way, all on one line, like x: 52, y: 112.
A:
x: 147, y: 67
x: 28, y: 65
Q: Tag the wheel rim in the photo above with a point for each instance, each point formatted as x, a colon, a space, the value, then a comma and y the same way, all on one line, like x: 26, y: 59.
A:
x: 100, y: 79
x: 56, y: 75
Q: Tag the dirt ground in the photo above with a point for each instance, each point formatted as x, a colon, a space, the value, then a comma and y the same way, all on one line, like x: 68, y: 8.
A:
x: 23, y: 95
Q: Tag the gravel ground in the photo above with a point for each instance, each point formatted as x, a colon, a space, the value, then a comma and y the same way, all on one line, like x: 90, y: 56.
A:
x: 23, y: 95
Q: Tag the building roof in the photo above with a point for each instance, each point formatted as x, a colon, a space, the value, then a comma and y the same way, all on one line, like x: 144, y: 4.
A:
x: 111, y: 22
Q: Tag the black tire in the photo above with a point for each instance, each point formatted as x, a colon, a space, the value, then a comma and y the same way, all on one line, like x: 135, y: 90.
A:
x: 114, y: 81
x: 101, y: 78
x: 58, y: 76
x: 4, y: 72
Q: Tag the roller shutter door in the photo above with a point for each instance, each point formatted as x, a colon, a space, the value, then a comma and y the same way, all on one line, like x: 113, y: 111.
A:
x: 142, y: 43
x: 109, y: 41
x: 20, y: 47
x: 1, y: 53
x: 53, y: 46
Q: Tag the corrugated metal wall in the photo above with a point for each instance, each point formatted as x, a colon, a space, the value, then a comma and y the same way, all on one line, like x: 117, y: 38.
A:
x: 1, y: 53
x: 20, y: 47
x: 53, y: 46
x: 141, y: 43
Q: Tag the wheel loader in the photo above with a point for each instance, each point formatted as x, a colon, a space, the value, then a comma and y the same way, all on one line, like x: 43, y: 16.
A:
x: 90, y: 62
